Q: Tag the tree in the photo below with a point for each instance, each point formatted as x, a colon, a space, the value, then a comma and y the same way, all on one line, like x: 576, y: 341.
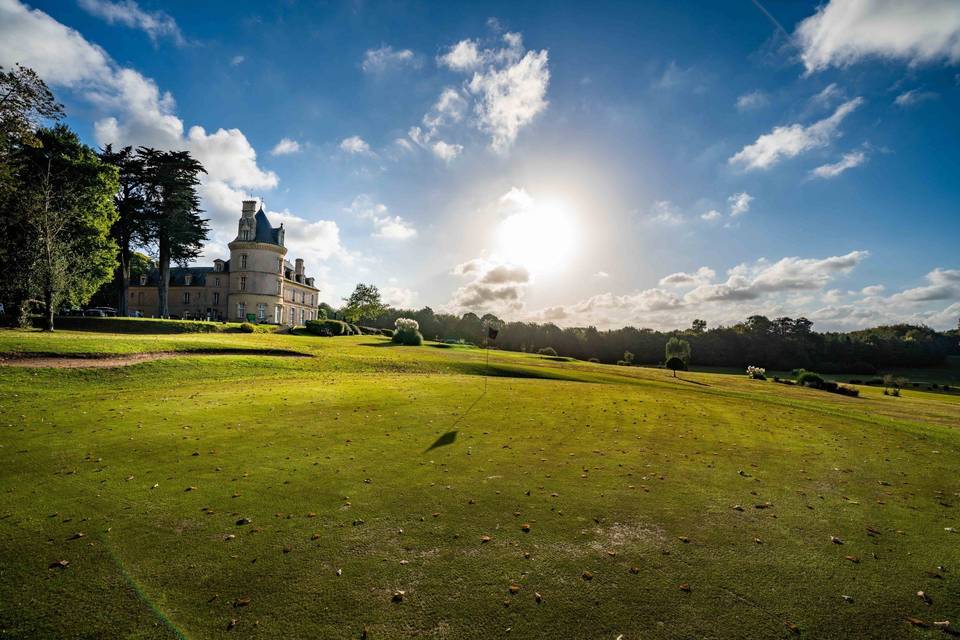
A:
x: 25, y: 102
x: 131, y: 225
x: 172, y: 206
x: 363, y: 303
x: 64, y: 198
x: 698, y: 326
x: 674, y: 364
x: 677, y: 348
x: 627, y: 358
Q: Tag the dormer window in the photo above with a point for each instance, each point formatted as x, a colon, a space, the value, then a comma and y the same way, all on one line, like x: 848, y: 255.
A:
x: 188, y: 279
x: 143, y: 279
x: 218, y: 266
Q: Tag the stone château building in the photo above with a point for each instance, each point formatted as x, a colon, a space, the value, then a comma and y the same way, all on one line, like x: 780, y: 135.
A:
x: 257, y: 283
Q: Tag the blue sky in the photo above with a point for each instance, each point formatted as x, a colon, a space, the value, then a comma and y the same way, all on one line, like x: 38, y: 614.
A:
x: 582, y: 163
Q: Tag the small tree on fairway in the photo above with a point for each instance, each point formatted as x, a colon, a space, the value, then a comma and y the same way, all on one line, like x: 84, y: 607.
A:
x: 363, y: 304
x: 674, y: 364
x: 677, y: 348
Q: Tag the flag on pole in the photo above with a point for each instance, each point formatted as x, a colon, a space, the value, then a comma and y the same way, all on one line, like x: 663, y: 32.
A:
x: 492, y: 333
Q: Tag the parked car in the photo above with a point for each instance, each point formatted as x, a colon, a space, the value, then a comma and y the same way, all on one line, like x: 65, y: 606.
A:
x: 95, y: 313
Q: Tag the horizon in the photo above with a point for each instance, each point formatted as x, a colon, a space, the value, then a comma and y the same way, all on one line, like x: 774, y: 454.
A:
x: 718, y: 162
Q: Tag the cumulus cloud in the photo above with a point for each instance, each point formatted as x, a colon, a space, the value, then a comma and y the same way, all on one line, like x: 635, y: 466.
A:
x: 506, y: 90
x: 446, y: 151
x: 944, y: 284
x: 286, y: 146
x: 848, y: 161
x: 385, y: 226
x: 313, y: 240
x: 682, y: 279
x: 398, y: 297
x: 873, y: 290
x: 356, y: 145
x: 739, y: 203
x: 128, y: 13
x: 792, y: 140
x: 386, y: 58
x: 665, y: 212
x: 752, y: 100
x: 492, y: 286
x: 133, y: 109
x: 844, y: 32
x: 914, y: 97
x: 711, y: 215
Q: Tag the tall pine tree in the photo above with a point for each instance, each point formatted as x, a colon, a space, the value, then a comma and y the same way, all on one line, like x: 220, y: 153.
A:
x: 130, y: 228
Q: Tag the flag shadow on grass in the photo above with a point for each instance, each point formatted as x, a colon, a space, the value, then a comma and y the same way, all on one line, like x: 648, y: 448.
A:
x: 448, y: 438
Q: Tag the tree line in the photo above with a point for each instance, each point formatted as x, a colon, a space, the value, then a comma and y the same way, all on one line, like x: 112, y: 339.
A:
x: 72, y: 218
x: 777, y: 344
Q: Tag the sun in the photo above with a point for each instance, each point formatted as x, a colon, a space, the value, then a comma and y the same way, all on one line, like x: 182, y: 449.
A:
x: 541, y: 236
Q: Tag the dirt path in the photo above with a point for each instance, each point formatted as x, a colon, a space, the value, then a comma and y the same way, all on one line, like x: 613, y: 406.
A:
x: 106, y: 361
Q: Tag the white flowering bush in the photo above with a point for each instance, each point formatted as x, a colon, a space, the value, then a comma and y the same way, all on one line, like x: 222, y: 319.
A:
x: 407, y: 324
x: 756, y: 373
x: 408, y: 332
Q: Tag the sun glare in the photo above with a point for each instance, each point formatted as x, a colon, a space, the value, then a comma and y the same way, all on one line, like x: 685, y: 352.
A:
x: 541, y: 236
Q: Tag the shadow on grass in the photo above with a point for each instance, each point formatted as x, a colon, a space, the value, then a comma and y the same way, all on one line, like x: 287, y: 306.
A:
x: 702, y: 384
x: 446, y: 439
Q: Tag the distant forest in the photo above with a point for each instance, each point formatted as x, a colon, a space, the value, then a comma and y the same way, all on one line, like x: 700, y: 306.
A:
x: 778, y: 344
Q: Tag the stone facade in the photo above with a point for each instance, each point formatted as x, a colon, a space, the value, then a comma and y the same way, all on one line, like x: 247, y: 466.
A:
x: 257, y: 283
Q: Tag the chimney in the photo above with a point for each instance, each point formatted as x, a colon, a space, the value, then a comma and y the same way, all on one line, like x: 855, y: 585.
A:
x: 298, y: 269
x: 249, y: 208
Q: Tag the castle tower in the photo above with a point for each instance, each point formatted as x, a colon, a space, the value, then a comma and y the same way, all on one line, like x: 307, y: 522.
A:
x: 256, y: 267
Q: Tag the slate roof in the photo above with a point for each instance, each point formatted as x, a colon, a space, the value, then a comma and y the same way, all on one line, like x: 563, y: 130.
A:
x: 264, y: 232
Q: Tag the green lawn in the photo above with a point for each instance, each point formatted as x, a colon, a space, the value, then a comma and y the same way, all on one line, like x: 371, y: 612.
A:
x: 625, y: 473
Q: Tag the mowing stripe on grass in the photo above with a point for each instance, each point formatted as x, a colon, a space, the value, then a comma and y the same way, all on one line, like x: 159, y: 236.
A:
x: 137, y: 589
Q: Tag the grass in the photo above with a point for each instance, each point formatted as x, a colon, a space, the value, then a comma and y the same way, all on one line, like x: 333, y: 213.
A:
x: 389, y: 464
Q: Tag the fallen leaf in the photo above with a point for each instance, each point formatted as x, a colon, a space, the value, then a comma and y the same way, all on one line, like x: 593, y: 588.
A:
x: 916, y: 622
x: 485, y: 539
x: 60, y: 564
x: 243, y: 521
x: 853, y: 559
x: 924, y: 597
x: 847, y: 599
x: 231, y: 624
x: 242, y: 601
x: 537, y: 597
x: 685, y: 587
x: 587, y: 575
x: 634, y: 570
x: 525, y: 527
x: 77, y: 535
x: 836, y: 540
x: 398, y: 596
x: 514, y: 588
x: 794, y: 629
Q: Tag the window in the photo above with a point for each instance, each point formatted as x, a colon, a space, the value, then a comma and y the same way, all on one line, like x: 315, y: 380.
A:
x: 143, y: 279
x: 243, y: 261
x: 186, y: 297
x: 261, y: 312
x: 243, y: 283
x: 240, y: 311
x: 280, y: 265
x: 218, y: 266
x: 188, y: 279
x: 279, y: 286
x: 301, y: 316
x: 216, y: 282
x: 278, y: 314
x: 216, y: 297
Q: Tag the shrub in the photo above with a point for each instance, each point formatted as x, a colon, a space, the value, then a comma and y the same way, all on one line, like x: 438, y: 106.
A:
x: 809, y: 379
x: 407, y: 332
x: 594, y: 360
x: 848, y: 391
x: 327, y: 327
x: 139, y: 325
x: 895, y: 392
x: 248, y: 327
x: 547, y: 351
x: 756, y: 373
x: 386, y: 332
x: 829, y: 385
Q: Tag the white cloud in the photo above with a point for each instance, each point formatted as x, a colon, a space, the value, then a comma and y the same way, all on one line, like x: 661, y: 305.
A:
x: 155, y: 24
x: 711, y: 215
x: 386, y: 58
x: 873, y: 290
x: 843, y: 32
x: 398, y: 297
x: 356, y: 145
x: 848, y: 161
x: 739, y: 203
x: 944, y: 285
x: 286, y: 146
x: 448, y: 109
x: 314, y: 241
x: 702, y: 275
x: 507, y: 89
x: 601, y: 274
x: 833, y: 296
x: 386, y: 226
x: 463, y: 56
x: 753, y: 100
x: 828, y: 95
x: 493, y: 286
x: 665, y: 212
x: 792, y: 140
x: 446, y: 151
x: 237, y: 60
x: 914, y: 97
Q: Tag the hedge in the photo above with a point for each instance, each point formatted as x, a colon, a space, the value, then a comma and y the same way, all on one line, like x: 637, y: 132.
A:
x: 141, y: 325
x: 328, y: 328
